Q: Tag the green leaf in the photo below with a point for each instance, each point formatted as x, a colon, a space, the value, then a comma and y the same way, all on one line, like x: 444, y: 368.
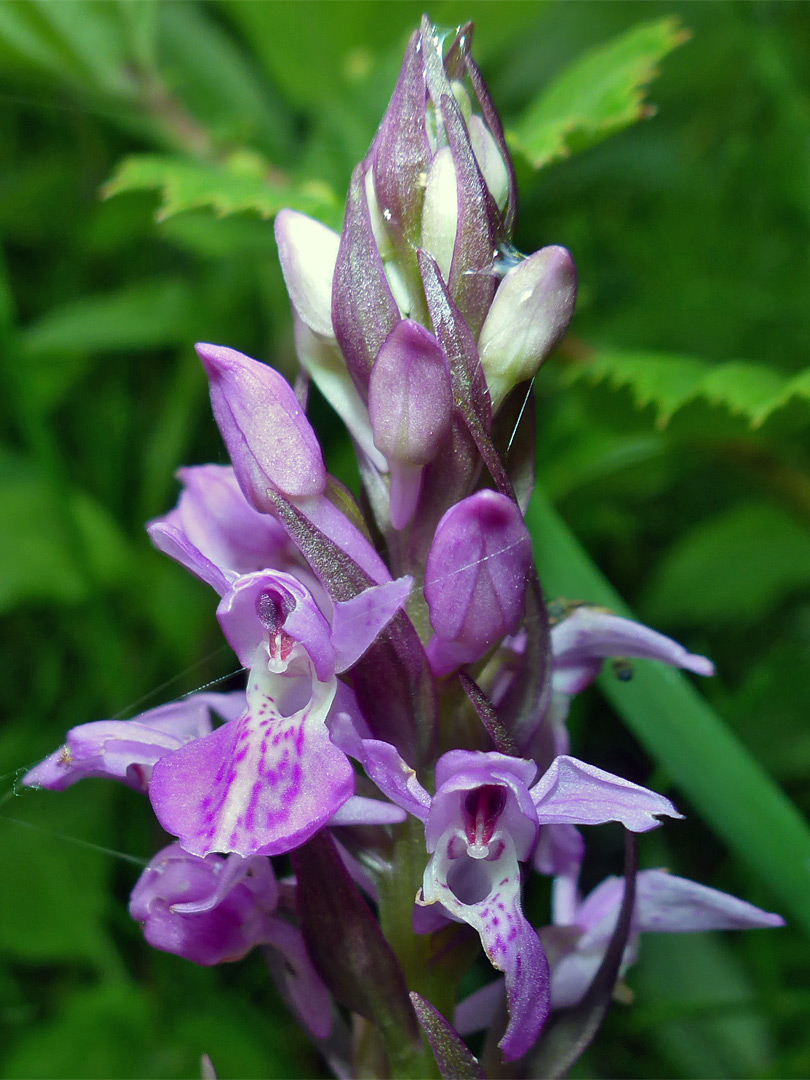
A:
x: 245, y: 182
x: 601, y: 93
x: 57, y: 348
x: 76, y: 41
x: 57, y: 892
x: 726, y: 785
x: 237, y: 106
x: 36, y: 560
x: 733, y: 568
x: 701, y: 1006
x: 669, y: 383
x: 145, y: 314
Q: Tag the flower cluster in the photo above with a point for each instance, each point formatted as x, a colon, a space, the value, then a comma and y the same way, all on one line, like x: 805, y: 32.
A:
x: 403, y: 669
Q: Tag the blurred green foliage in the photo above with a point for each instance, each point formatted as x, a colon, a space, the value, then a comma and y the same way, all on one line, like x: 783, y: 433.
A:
x: 145, y: 146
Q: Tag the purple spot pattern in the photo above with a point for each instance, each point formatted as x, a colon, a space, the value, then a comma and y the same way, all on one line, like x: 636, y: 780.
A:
x: 261, y: 784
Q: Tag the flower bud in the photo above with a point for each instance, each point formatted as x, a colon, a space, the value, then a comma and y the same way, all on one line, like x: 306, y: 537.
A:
x: 411, y: 407
x: 475, y: 580
x: 440, y: 211
x: 308, y: 252
x: 270, y: 441
x: 530, y: 313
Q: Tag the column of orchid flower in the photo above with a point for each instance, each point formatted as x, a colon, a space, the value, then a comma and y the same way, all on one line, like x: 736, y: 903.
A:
x: 399, y: 646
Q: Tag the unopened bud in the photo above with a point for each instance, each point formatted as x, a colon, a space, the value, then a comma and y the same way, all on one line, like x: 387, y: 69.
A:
x: 270, y: 441
x: 308, y: 251
x: 475, y: 579
x: 530, y: 313
x: 411, y: 407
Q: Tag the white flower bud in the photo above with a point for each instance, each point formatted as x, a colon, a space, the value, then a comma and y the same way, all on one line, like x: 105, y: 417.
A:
x: 529, y: 315
x: 440, y: 211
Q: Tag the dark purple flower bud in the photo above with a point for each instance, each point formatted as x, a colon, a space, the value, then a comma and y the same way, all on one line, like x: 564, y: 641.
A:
x: 364, y: 311
x: 270, y: 441
x: 411, y: 408
x: 401, y: 151
x: 475, y: 580
x: 530, y: 313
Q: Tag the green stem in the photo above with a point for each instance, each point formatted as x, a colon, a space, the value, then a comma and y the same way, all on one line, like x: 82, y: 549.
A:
x: 397, y: 891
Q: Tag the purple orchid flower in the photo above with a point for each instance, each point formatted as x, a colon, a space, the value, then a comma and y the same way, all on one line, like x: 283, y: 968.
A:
x: 580, y: 642
x: 481, y: 824
x: 127, y: 750
x: 265, y: 782
x: 576, y: 943
x: 664, y: 904
x: 585, y: 637
x: 215, y: 910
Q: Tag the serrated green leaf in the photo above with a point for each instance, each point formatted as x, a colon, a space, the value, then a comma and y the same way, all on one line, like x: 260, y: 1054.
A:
x: 601, y: 93
x: 669, y: 382
x: 723, y: 781
x: 733, y: 568
x: 245, y: 182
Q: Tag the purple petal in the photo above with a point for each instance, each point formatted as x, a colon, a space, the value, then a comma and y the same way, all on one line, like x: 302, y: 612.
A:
x: 476, y: 578
x: 460, y: 772
x: 126, y: 750
x: 173, y: 542
x: 270, y: 441
x: 262, y: 784
x: 574, y: 793
x: 560, y: 850
x: 666, y: 903
x: 361, y: 811
x: 357, y: 622
x: 209, y: 910
x: 300, y: 982
x: 268, y: 603
x: 478, y: 1011
x: 410, y: 401
x: 392, y: 775
x: 216, y: 533
x: 486, y: 895
x: 588, y: 635
x: 308, y: 252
